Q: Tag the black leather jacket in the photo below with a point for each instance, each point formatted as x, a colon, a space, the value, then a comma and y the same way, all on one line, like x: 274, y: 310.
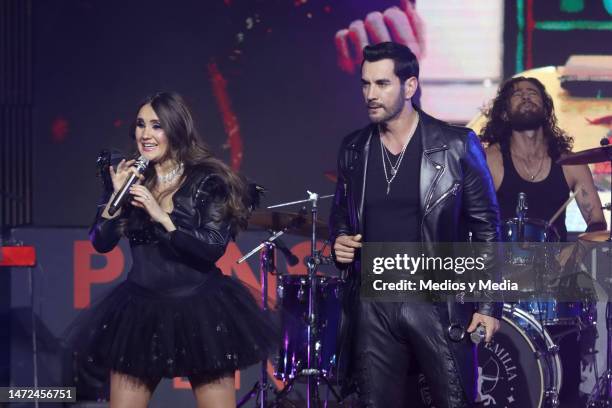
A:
x: 457, y: 196
x: 202, y: 228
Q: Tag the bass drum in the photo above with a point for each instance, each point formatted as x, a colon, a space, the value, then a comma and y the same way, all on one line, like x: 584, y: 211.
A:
x: 520, y: 367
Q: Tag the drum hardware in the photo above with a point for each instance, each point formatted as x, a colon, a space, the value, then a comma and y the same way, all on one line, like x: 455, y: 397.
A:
x: 313, y: 374
x: 601, y: 395
x: 552, y: 398
x: 260, y: 389
x: 588, y: 156
x: 595, y: 236
x: 277, y: 221
x: 554, y: 349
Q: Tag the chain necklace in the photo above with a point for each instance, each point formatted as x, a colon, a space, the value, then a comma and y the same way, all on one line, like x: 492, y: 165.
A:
x: 171, y: 175
x: 532, y: 177
x: 394, y: 169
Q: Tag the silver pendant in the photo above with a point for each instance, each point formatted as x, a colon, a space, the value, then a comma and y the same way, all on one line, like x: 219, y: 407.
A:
x: 388, y: 188
x: 393, y: 171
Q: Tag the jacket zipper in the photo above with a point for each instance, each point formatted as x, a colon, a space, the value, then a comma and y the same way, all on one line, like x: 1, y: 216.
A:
x: 443, y: 197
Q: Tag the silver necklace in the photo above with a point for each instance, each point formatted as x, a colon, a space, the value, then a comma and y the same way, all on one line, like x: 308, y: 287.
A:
x: 394, y: 169
x: 171, y: 175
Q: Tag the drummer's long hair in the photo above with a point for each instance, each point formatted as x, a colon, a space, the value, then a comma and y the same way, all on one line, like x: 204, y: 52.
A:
x: 498, y: 128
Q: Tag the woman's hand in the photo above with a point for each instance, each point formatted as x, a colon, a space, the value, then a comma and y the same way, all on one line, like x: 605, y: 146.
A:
x: 142, y: 198
x: 124, y: 169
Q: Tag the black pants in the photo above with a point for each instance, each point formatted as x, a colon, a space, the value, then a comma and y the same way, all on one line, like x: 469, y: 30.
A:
x: 393, y: 341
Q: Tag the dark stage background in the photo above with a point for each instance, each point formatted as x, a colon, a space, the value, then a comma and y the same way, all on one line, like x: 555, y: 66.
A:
x: 268, y: 95
x: 261, y: 76
x: 94, y: 62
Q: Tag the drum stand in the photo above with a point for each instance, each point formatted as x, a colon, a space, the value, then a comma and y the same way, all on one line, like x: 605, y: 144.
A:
x: 266, y: 265
x: 601, y: 396
x: 312, y: 373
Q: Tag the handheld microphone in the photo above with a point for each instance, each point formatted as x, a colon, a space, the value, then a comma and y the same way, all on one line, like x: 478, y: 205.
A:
x: 141, y: 165
x: 478, y: 335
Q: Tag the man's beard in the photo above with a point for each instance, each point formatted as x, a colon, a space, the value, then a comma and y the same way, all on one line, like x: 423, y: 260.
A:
x: 526, y: 120
x: 392, y: 112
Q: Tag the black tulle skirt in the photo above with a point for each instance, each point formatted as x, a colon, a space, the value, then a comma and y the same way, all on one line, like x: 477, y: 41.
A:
x: 208, y: 333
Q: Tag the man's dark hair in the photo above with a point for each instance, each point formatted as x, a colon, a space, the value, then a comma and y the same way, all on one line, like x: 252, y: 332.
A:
x: 404, y: 61
x: 498, y: 128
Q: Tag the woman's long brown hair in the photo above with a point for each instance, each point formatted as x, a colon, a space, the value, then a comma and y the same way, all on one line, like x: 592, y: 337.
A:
x: 185, y: 146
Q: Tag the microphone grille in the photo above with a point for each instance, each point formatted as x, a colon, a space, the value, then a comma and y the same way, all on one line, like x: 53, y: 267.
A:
x: 141, y: 163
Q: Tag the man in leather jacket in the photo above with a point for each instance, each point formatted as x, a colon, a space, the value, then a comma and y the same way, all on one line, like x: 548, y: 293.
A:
x: 408, y: 177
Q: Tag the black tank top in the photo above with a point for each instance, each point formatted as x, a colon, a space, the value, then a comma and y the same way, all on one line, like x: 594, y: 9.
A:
x: 544, y: 197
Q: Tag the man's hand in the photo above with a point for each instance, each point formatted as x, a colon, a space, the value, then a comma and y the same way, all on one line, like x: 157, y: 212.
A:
x: 490, y: 324
x: 345, y: 246
x: 400, y: 24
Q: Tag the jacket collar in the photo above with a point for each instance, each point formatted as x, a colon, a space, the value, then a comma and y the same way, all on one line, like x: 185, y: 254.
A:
x: 432, y: 160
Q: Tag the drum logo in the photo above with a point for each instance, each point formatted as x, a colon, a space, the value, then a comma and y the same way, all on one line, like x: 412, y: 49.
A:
x: 496, y: 374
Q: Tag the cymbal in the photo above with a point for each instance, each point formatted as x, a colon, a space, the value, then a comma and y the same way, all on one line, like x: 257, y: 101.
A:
x: 278, y: 220
x: 596, y: 155
x: 596, y: 236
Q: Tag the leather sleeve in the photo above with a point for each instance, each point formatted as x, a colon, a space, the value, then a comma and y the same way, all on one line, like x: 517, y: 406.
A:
x: 482, y: 213
x: 339, y: 223
x: 205, y: 238
x: 105, y: 233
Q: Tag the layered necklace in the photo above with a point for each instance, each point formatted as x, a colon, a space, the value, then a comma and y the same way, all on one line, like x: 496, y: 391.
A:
x: 172, y: 175
x: 394, y: 168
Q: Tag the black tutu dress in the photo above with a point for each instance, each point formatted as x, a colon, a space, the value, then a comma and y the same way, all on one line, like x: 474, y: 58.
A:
x: 176, y: 315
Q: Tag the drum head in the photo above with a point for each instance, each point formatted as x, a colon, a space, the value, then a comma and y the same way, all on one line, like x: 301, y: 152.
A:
x: 534, y: 230
x: 510, y: 374
x: 515, y: 369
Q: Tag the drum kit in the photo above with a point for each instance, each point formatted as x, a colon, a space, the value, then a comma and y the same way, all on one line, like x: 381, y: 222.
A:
x: 309, y: 307
x: 521, y: 367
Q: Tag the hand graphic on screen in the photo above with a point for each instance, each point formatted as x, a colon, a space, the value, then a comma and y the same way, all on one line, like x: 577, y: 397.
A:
x: 400, y: 24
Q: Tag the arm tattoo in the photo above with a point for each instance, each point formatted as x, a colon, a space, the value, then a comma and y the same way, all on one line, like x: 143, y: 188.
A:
x: 587, y: 209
